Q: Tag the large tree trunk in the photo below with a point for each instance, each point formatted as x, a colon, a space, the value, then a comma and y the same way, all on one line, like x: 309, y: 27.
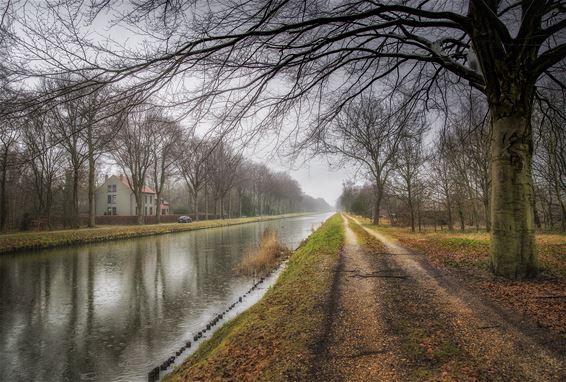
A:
x: 158, y: 207
x: 48, y: 201
x: 449, y: 213
x: 91, y: 190
x: 195, y: 207
x: 206, y: 203
x: 512, y: 239
x: 139, y: 206
x: 3, y: 196
x: 419, y: 220
x: 376, y: 205
x: 461, y: 215
x: 487, y: 213
x: 75, y: 197
x: 411, y: 208
x: 562, y: 207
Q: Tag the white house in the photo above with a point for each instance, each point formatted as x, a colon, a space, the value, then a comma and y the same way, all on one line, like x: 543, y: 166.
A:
x: 115, y: 197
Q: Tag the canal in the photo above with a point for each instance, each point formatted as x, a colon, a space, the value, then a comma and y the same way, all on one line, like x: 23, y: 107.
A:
x: 113, y: 311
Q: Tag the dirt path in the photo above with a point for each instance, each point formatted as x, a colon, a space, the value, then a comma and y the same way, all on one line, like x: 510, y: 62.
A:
x: 396, y: 318
x: 359, y: 347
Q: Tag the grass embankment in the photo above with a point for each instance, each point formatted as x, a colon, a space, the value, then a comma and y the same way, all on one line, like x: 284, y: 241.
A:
x: 543, y: 298
x: 275, y: 340
x: 26, y: 241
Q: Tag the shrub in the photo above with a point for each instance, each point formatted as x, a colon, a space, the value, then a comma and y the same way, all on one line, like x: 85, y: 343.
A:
x: 261, y: 259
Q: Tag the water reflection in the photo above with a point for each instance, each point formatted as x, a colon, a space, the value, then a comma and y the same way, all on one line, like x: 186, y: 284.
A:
x: 112, y: 311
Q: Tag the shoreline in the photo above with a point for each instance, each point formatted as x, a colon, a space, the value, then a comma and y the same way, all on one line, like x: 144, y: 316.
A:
x: 278, y: 336
x: 14, y: 243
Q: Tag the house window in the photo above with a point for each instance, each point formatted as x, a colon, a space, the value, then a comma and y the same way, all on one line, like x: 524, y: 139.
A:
x: 150, y: 199
x: 145, y: 199
x: 109, y: 199
x: 113, y: 199
x: 114, y: 211
x: 109, y: 188
x: 146, y: 211
x: 113, y: 188
x: 151, y: 210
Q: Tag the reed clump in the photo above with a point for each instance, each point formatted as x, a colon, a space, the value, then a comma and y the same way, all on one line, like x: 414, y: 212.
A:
x: 262, y: 258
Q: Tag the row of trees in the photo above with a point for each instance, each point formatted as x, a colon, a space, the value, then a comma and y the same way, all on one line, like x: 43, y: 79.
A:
x: 280, y: 62
x: 51, y: 161
x: 443, y: 177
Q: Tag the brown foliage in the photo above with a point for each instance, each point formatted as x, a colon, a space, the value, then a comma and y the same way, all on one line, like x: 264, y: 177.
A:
x: 261, y: 259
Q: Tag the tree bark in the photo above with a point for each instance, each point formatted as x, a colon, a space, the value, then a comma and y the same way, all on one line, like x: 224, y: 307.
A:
x: 449, y: 213
x: 195, y: 207
x: 139, y: 206
x: 158, y: 207
x: 206, y: 202
x: 461, y: 215
x: 376, y: 205
x: 75, y: 197
x: 3, y: 197
x: 487, y: 214
x: 411, y: 208
x: 512, y: 217
x: 91, y: 181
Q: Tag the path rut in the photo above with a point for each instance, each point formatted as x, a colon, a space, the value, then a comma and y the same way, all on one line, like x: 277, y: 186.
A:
x: 396, y: 318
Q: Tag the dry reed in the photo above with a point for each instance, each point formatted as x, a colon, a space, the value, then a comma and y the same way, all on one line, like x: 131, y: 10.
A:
x: 260, y: 259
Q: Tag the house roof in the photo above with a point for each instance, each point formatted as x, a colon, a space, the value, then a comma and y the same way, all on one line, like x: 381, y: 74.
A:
x: 145, y: 189
x: 121, y: 178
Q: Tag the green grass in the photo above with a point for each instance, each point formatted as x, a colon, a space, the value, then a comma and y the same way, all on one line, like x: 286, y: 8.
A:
x: 275, y: 339
x: 463, y: 243
x: 27, y: 241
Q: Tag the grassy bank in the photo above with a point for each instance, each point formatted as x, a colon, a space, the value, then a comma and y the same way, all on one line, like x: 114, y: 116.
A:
x: 470, y: 250
x: 467, y: 253
x: 276, y: 339
x: 26, y: 241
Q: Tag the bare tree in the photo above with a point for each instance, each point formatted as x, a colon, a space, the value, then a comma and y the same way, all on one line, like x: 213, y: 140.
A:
x: 223, y: 163
x: 45, y: 158
x: 550, y: 159
x: 167, y: 136
x: 499, y: 47
x: 133, y: 149
x: 409, y: 162
x: 370, y: 135
x: 443, y: 178
x: 9, y: 135
x: 69, y: 122
x: 191, y: 163
x: 97, y: 132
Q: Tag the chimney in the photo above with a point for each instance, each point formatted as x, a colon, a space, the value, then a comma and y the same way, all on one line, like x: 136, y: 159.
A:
x: 121, y: 177
x: 105, y: 177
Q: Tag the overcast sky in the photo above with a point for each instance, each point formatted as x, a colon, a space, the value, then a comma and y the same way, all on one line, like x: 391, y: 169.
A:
x: 315, y: 176
x: 317, y: 179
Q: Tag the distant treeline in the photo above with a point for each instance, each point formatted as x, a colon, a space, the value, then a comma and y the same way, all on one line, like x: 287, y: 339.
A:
x: 443, y: 178
x: 52, y: 160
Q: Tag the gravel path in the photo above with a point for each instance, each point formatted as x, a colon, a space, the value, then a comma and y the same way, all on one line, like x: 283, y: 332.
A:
x: 397, y: 318
x: 359, y: 347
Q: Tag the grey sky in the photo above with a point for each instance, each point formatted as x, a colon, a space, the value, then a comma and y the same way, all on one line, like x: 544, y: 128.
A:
x: 315, y: 176
x: 317, y: 179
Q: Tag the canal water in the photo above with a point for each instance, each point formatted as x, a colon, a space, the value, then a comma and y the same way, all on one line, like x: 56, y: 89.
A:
x: 113, y: 311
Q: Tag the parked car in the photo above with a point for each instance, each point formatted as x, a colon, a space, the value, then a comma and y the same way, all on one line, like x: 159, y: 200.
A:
x: 184, y: 219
